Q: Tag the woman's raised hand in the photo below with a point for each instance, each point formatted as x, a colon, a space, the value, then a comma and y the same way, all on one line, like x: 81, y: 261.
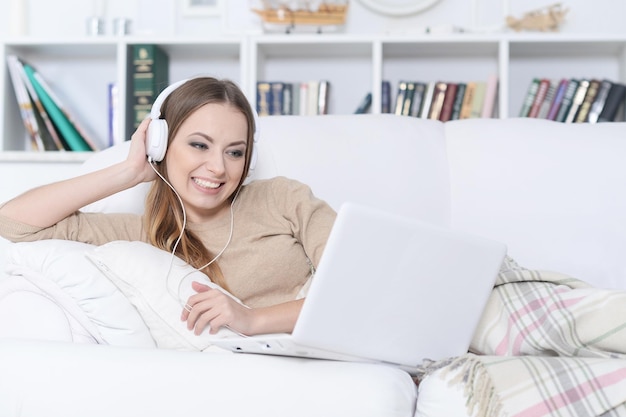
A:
x: 137, y: 154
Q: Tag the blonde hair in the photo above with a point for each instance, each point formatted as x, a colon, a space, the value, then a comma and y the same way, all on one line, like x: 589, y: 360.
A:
x: 163, y: 217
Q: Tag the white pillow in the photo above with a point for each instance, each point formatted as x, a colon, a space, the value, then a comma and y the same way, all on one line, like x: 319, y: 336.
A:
x: 140, y: 271
x: 59, y: 269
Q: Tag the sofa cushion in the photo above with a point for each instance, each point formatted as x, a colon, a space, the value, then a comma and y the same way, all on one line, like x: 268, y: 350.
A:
x: 397, y: 164
x: 553, y: 192
x: 70, y: 380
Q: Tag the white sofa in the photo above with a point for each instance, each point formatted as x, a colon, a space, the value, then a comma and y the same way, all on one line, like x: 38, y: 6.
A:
x: 554, y: 193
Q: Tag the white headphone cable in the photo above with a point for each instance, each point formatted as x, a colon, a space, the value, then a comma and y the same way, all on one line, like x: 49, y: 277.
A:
x: 173, y: 254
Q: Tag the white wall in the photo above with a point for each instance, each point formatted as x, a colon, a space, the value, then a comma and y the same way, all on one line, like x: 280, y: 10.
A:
x: 66, y: 18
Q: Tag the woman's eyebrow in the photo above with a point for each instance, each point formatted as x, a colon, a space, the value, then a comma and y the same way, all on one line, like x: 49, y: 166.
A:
x: 210, y: 139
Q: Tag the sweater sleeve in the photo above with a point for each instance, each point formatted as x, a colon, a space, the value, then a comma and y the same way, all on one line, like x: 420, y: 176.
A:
x: 93, y: 228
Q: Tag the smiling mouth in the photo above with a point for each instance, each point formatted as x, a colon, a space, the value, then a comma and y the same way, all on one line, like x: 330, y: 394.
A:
x: 207, y: 184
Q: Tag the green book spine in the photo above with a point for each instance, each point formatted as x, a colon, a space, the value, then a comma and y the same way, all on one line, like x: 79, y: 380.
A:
x: 148, y: 75
x: 458, y: 101
x: 71, y: 136
x: 529, y: 98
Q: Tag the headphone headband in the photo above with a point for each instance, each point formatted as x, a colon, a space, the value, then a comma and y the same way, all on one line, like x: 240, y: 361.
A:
x: 155, y: 111
x: 156, y: 142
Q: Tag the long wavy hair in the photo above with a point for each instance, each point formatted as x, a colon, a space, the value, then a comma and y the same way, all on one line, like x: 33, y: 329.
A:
x: 163, y: 216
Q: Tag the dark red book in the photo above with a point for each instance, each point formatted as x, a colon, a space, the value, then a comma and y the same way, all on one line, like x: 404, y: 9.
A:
x: 448, y: 102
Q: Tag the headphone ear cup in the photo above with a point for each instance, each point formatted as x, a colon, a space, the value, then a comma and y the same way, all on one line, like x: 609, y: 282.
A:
x: 156, y: 142
x: 255, y: 141
x: 253, y: 159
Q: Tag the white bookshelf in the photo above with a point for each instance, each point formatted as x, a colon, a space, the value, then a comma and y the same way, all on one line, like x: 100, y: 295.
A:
x: 80, y: 70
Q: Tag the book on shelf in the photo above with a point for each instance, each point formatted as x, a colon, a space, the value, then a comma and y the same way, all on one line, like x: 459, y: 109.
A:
x: 468, y: 99
x: 147, y: 76
x: 25, y: 105
x: 114, y: 114
x: 599, y: 101
x: 540, y: 94
x: 577, y: 101
x: 558, y: 99
x: 568, y: 97
x: 418, y: 98
x: 277, y: 97
x: 529, y: 98
x: 47, y: 131
x: 288, y: 98
x: 312, y: 97
x: 588, y: 99
x: 614, y: 102
x: 458, y: 101
x: 428, y: 99
x: 263, y: 98
x: 365, y: 104
x: 491, y: 95
x: 295, y: 98
x: 303, y: 98
x: 323, y: 94
x: 439, y: 94
x: 409, y: 98
x: 385, y: 97
x: 544, y: 108
x: 400, y: 96
x: 479, y: 99
x: 448, y: 102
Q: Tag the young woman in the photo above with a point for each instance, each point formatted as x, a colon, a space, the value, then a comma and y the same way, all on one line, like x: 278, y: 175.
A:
x: 260, y: 241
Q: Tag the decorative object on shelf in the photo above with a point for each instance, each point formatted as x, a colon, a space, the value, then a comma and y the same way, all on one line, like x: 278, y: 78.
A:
x: 398, y: 7
x: 201, y: 8
x: 95, y: 26
x: 18, y: 22
x: 316, y: 15
x: 544, y: 19
x: 121, y: 26
x: 95, y: 22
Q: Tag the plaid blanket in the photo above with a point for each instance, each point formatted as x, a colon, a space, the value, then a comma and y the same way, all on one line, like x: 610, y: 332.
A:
x: 547, y: 345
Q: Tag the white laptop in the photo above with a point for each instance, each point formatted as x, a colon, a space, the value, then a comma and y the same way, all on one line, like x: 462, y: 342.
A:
x: 388, y: 289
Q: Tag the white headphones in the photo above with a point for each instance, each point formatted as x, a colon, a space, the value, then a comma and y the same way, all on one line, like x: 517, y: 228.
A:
x: 156, y: 142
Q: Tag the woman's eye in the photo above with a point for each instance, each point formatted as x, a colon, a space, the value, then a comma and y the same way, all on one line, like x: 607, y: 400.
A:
x: 236, y: 153
x: 199, y: 145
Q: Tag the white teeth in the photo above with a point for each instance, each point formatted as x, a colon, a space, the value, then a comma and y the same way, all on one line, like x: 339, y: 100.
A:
x: 206, y: 184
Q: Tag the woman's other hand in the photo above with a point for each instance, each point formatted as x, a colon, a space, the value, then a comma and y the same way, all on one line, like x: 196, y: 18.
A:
x: 211, y: 307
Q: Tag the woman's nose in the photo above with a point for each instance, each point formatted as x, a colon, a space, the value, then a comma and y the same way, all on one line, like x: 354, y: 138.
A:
x: 215, y: 163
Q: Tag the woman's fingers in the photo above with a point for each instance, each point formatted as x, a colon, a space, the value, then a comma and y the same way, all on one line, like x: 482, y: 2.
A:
x: 209, y: 307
